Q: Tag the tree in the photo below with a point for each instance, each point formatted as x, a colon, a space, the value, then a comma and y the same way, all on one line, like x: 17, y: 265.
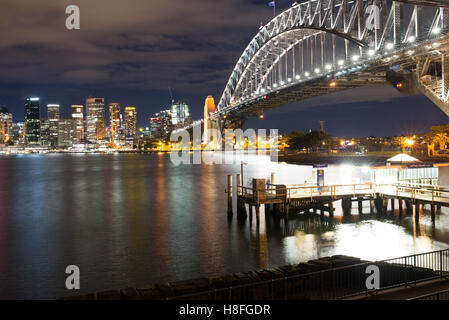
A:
x: 314, y: 139
x: 441, y: 139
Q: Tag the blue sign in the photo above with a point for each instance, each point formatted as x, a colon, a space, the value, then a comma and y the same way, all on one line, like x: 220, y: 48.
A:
x: 319, y: 166
x: 320, y: 179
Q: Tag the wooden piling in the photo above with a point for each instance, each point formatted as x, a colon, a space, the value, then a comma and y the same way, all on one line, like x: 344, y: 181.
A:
x: 392, y: 205
x: 360, y: 202
x: 331, y: 210
x: 432, y: 212
x: 400, y: 207
x: 230, y: 194
x: 371, y: 206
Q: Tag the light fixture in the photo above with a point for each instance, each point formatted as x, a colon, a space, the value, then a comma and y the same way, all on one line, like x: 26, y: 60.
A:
x: 341, y: 62
x: 317, y: 70
x: 389, y: 46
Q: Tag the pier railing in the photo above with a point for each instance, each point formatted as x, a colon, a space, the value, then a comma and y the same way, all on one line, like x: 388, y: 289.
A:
x: 412, y: 191
x: 339, y: 283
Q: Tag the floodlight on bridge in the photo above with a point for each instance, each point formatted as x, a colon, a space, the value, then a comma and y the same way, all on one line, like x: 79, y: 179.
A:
x: 389, y: 46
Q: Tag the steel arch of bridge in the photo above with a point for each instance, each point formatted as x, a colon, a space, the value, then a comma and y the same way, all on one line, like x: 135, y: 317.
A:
x: 275, y: 50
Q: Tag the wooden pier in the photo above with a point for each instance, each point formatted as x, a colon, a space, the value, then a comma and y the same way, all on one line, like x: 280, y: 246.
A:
x: 287, y: 199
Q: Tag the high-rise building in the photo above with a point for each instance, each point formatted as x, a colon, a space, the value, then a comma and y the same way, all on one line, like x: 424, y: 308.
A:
x: 33, y: 122
x: 179, y: 113
x: 46, y: 140
x: 96, y: 122
x: 130, y: 122
x: 78, y: 117
x: 51, y: 125
x: 5, y: 125
x: 53, y: 111
x: 161, y: 124
x: 67, y: 135
x: 114, y: 121
x: 17, y: 133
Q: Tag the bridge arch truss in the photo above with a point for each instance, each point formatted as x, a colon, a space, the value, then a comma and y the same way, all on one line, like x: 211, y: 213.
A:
x: 330, y: 38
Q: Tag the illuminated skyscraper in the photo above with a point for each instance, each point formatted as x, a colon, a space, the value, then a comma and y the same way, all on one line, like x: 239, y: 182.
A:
x: 51, y: 125
x: 179, y: 113
x: 67, y: 132
x: 130, y: 122
x: 33, y: 122
x: 5, y: 125
x: 114, y: 121
x: 78, y: 116
x: 96, y: 122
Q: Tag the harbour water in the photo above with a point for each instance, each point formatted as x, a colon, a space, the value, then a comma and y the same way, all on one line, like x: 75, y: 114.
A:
x: 129, y: 220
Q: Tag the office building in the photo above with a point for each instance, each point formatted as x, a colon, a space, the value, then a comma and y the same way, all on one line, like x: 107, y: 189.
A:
x: 5, y: 125
x: 32, y: 122
x: 95, y: 119
x: 50, y: 127
x: 67, y: 135
x: 114, y: 121
x: 78, y: 117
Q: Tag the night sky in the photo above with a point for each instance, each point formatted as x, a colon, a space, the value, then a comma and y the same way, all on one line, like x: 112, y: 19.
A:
x: 131, y: 52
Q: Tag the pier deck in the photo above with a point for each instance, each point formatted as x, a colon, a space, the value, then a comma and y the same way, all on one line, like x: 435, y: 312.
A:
x: 283, y: 199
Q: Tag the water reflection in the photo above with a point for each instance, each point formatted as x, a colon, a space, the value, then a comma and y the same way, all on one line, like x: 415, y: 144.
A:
x: 131, y: 220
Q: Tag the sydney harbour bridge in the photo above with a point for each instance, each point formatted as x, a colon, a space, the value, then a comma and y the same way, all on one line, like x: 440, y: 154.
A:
x: 322, y: 46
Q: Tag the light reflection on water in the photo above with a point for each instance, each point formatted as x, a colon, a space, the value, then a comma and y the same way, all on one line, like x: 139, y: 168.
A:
x: 131, y: 220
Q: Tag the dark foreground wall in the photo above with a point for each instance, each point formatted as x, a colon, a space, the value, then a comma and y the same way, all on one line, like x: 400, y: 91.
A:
x: 176, y: 289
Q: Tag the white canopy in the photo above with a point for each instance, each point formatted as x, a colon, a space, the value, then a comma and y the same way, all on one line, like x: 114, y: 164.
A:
x: 402, y: 157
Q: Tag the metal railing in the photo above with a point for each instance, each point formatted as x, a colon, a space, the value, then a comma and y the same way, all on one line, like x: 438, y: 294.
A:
x: 423, y: 192
x: 337, y: 283
x: 441, y: 295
